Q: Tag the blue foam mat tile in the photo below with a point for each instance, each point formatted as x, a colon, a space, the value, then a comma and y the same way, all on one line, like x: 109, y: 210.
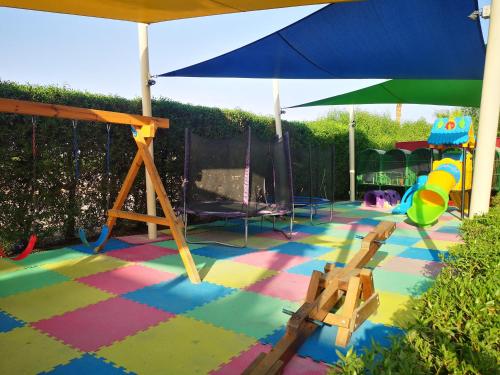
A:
x: 252, y: 229
x: 178, y: 295
x: 309, y: 229
x: 301, y: 249
x: 8, y: 323
x: 368, y: 221
x: 321, y: 345
x: 112, y: 244
x: 403, y: 240
x: 87, y: 364
x: 222, y: 252
x: 424, y: 254
x: 308, y: 267
x: 448, y: 229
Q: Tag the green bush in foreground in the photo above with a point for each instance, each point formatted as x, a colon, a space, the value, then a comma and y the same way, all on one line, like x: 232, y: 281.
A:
x: 457, y: 325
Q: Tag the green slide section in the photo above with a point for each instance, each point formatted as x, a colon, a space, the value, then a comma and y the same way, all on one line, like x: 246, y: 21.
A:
x: 429, y: 203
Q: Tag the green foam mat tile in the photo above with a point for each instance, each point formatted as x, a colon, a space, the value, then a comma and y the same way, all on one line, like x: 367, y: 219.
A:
x: 28, y: 279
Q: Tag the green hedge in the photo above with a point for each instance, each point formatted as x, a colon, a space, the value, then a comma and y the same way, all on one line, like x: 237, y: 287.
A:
x: 56, y: 203
x: 457, y: 327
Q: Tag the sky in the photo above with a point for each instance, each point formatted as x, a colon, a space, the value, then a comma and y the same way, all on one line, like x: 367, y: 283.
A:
x: 101, y: 56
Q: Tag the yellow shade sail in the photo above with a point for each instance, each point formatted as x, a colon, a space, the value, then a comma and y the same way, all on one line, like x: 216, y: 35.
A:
x: 150, y: 11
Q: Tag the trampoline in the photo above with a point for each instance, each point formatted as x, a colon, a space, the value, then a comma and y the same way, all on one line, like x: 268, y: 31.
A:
x: 420, y: 163
x: 236, y: 178
x: 394, y: 168
x: 318, y: 163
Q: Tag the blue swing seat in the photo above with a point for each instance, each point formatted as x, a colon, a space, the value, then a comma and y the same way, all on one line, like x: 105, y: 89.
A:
x: 94, y: 245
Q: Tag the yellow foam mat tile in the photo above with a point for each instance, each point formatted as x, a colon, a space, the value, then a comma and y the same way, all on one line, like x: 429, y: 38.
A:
x: 236, y: 275
x: 435, y: 244
x: 326, y: 240
x: 80, y: 267
x: 179, y: 346
x: 8, y: 266
x: 338, y: 255
x: 27, y: 351
x: 394, y: 310
x: 50, y: 301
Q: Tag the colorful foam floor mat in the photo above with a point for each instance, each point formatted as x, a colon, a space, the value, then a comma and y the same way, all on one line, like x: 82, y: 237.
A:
x: 132, y: 309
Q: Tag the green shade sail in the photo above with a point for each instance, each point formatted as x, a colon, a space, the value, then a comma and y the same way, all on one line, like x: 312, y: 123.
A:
x: 460, y: 93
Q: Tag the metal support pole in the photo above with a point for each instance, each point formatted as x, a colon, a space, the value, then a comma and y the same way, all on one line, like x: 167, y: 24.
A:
x: 277, y: 107
x: 352, y: 156
x: 488, y: 119
x: 147, y: 111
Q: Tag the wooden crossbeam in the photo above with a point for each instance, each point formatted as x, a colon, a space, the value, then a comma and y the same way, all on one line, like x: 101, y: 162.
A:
x: 324, y: 293
x: 24, y: 107
x: 138, y: 217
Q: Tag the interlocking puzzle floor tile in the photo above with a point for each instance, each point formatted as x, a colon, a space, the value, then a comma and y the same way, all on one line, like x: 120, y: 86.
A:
x: 321, y: 345
x: 261, y: 243
x: 400, y: 283
x: 284, y: 285
x: 81, y: 267
x: 172, y: 245
x: 402, y: 240
x: 414, y: 233
x: 178, y: 346
x: 87, y: 364
x: 95, y: 326
x: 296, y: 366
x: 309, y: 229
x: 222, y: 252
x: 279, y: 236
x: 178, y: 295
x: 435, y: 244
x: 8, y: 323
x: 444, y: 236
x: 338, y: 256
x: 357, y: 228
x: 448, y: 229
x: 301, y: 249
x: 126, y: 279
x: 271, y: 259
x: 51, y: 300
x: 141, y: 253
x: 249, y: 313
x: 236, y: 275
x: 112, y: 244
x: 327, y: 240
x: 173, y: 264
x: 49, y: 256
x: 7, y: 266
x: 394, y: 310
x: 307, y: 268
x: 27, y: 351
x: 424, y: 254
x: 27, y: 279
x: 141, y: 239
x: 413, y: 266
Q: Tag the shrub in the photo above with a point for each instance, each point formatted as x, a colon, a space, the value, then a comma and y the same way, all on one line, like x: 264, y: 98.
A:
x: 457, y: 322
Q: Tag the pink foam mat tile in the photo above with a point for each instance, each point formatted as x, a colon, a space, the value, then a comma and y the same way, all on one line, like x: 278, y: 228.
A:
x: 279, y: 236
x: 271, y: 260
x: 102, y: 324
x: 357, y: 227
x: 287, y: 286
x: 296, y: 366
x: 413, y: 266
x: 126, y: 279
x: 141, y: 253
x: 139, y: 239
x: 343, y: 220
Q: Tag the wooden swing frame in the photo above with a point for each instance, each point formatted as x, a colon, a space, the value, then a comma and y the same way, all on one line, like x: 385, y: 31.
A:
x: 144, y: 132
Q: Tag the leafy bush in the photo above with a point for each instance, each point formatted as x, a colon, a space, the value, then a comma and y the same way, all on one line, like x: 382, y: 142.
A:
x: 457, y: 323
x: 44, y: 195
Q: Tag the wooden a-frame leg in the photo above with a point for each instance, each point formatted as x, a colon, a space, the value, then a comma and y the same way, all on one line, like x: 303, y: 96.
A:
x: 168, y: 211
x: 352, y: 301
x: 123, y: 194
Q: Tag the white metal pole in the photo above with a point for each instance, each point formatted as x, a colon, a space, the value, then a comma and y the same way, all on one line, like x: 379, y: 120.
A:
x: 352, y: 155
x: 488, y: 118
x: 277, y: 107
x: 147, y: 111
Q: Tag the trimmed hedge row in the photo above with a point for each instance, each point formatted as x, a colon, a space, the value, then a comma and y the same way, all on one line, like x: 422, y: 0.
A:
x: 45, y: 195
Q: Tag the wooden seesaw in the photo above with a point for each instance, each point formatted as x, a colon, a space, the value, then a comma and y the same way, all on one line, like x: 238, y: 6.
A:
x: 326, y: 291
